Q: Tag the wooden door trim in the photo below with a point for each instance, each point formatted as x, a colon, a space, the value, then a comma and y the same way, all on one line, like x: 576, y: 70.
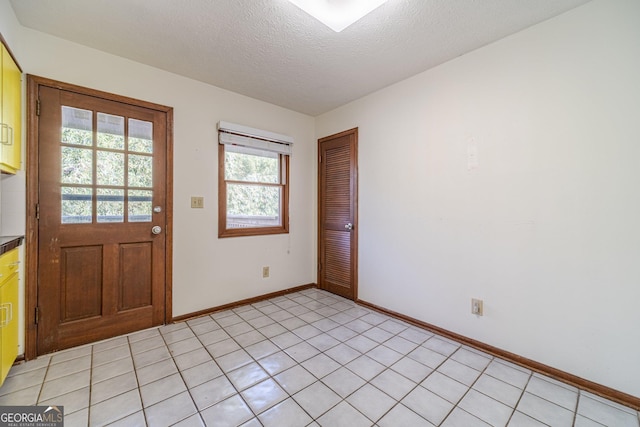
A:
x: 354, y: 176
x: 31, y: 237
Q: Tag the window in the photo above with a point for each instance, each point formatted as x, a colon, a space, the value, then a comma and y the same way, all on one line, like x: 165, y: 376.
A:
x: 106, y: 168
x: 253, y: 175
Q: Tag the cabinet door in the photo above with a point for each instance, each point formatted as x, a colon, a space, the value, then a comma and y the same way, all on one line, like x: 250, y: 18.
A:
x: 11, y: 114
x: 9, y: 319
x: 4, y: 129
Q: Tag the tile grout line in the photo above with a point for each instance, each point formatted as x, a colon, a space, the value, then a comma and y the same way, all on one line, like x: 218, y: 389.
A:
x: 224, y: 373
x: 435, y: 369
x: 449, y: 357
x: 378, y: 344
x: 399, y: 401
x: 300, y: 363
x: 181, y: 377
x: 547, y: 400
x: 575, y: 412
x: 90, y: 385
x: 580, y: 396
x: 213, y: 359
x: 539, y: 397
x: 252, y: 358
x: 144, y: 412
x: 313, y: 419
x: 135, y: 373
x: 418, y: 384
x: 342, y: 399
x: 44, y: 378
x: 469, y: 388
x: 524, y: 390
x: 297, y: 364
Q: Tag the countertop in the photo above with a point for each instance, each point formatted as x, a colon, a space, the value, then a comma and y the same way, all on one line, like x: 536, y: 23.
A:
x: 10, y: 242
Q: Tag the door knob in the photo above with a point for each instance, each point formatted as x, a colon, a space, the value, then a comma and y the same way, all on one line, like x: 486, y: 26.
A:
x: 349, y: 226
x: 156, y: 229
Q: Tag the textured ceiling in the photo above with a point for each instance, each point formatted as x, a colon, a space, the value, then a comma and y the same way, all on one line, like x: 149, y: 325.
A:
x: 273, y: 51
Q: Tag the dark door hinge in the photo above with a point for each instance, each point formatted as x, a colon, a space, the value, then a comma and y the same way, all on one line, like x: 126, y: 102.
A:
x: 319, y: 266
x: 37, y: 315
x: 37, y: 210
x: 37, y: 107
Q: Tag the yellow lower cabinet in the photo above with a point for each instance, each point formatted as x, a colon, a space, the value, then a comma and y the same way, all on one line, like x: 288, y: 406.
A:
x: 8, y: 311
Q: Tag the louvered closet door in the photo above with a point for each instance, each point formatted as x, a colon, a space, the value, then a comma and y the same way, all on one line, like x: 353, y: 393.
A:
x: 338, y: 228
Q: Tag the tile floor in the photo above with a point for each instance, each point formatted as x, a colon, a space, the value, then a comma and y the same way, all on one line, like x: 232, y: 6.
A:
x: 306, y: 359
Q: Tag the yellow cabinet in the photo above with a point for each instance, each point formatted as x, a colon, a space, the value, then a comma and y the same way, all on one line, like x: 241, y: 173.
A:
x: 10, y: 113
x: 8, y: 311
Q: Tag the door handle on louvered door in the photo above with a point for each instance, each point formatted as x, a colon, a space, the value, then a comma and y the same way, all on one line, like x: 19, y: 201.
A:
x: 349, y: 226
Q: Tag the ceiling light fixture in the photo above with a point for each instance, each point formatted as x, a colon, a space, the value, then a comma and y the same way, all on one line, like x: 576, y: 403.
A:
x: 338, y: 14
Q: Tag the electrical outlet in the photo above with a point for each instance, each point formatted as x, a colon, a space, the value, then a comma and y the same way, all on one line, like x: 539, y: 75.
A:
x: 476, y: 307
x: 197, y: 202
x: 265, y: 272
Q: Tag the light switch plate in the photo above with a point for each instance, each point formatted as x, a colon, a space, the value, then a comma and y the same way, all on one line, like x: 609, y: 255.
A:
x: 197, y: 202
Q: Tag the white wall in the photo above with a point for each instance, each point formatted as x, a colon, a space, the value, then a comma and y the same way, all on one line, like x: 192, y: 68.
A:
x: 546, y: 230
x: 207, y: 271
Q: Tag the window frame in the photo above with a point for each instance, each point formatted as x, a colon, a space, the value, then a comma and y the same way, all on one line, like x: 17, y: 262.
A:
x: 223, y: 231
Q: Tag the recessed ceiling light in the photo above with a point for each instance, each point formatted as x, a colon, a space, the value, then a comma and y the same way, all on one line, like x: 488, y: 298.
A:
x: 338, y: 14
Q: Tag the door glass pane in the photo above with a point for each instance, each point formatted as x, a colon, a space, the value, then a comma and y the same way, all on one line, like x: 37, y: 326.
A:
x: 110, y: 168
x: 77, y: 205
x: 110, y: 131
x: 246, y: 164
x: 140, y: 136
x: 140, y: 205
x: 77, y: 126
x: 77, y: 165
x: 140, y: 171
x: 103, y: 173
x: 110, y: 205
x: 253, y: 206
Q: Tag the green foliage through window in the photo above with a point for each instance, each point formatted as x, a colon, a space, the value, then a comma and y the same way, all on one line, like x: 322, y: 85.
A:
x: 95, y: 171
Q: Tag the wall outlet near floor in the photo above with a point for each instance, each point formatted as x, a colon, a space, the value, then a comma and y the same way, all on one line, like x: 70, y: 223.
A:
x: 197, y: 202
x: 476, y: 307
x: 265, y: 272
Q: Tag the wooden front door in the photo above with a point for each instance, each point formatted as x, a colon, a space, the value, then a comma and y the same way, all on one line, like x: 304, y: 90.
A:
x: 338, y: 213
x: 102, y: 208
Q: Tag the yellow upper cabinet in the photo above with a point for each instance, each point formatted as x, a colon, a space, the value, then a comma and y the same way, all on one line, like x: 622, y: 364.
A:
x: 10, y: 113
